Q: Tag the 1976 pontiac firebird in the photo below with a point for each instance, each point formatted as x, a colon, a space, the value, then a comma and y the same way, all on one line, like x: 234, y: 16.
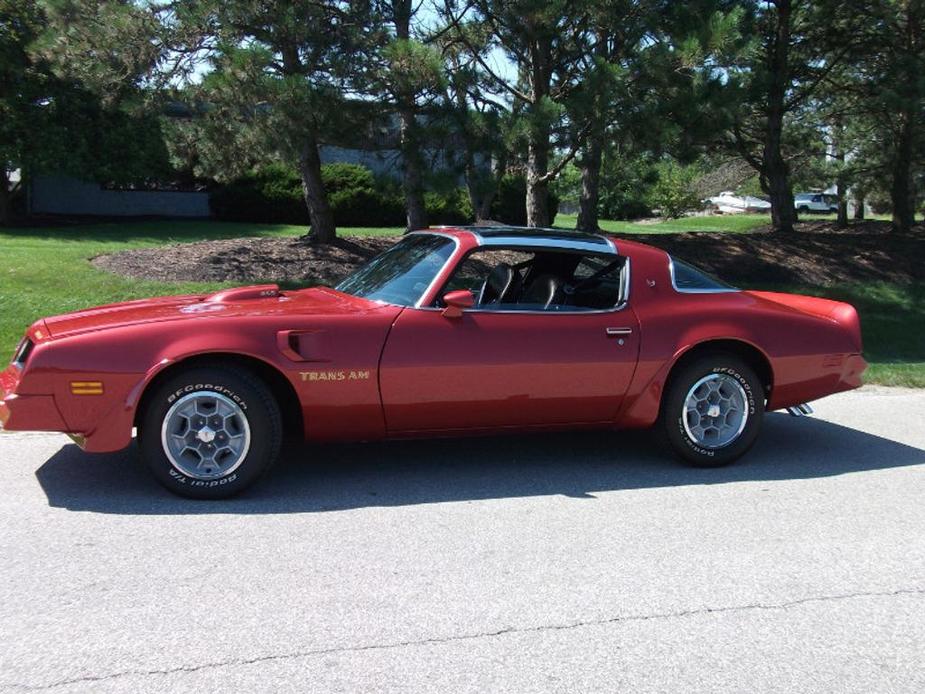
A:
x: 451, y: 331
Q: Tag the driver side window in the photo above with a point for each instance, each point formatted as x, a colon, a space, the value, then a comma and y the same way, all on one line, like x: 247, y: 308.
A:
x: 520, y: 280
x: 473, y: 272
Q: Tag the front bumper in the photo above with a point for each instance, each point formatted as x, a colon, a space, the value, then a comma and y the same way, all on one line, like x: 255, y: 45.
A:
x: 19, y: 412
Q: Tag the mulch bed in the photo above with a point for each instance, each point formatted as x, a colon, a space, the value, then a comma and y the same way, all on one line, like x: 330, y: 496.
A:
x: 288, y: 261
x: 817, y: 254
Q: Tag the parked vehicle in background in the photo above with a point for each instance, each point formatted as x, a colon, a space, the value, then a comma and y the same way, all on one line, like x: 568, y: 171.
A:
x: 728, y: 202
x: 815, y: 202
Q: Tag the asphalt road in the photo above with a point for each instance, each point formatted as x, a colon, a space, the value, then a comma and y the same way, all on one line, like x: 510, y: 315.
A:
x: 579, y: 562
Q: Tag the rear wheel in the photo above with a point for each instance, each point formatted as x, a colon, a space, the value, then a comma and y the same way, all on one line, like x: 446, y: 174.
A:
x: 713, y: 409
x: 210, y: 432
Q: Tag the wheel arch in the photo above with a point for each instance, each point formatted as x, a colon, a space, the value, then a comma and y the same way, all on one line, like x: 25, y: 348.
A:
x: 748, y: 352
x: 280, y: 386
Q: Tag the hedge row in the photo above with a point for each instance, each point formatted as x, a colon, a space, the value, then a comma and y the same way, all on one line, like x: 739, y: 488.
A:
x: 273, y: 194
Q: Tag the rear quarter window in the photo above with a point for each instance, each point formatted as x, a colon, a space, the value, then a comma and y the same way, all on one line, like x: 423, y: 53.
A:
x: 688, y: 278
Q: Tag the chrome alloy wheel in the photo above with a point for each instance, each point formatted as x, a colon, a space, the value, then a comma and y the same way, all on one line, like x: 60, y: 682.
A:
x: 205, y: 435
x: 715, y: 411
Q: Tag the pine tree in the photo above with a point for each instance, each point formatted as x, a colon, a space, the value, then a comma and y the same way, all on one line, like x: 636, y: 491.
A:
x: 279, y: 74
x: 543, y: 40
x: 791, y: 51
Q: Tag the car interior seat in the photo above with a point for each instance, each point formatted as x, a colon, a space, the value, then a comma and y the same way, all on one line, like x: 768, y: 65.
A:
x: 501, y: 286
x: 544, y: 290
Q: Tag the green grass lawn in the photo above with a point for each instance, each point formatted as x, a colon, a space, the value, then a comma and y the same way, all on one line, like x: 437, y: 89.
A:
x: 737, y: 223
x: 732, y: 223
x: 45, y: 271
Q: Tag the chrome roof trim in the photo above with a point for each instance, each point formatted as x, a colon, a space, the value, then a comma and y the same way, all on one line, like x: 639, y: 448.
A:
x: 536, y: 237
x: 558, y: 243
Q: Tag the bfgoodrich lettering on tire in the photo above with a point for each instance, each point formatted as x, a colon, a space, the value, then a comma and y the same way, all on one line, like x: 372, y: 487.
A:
x: 713, y: 409
x: 210, y: 432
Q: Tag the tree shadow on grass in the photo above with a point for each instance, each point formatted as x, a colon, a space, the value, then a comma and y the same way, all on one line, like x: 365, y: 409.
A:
x: 347, y: 476
x: 161, y: 231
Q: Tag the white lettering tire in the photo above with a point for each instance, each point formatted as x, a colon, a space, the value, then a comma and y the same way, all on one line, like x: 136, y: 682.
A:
x: 210, y: 432
x: 712, y: 410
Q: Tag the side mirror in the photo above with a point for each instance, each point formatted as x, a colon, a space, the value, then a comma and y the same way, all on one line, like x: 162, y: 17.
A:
x: 457, y: 301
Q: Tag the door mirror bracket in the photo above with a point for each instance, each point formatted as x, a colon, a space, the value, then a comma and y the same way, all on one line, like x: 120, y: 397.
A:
x: 456, y: 302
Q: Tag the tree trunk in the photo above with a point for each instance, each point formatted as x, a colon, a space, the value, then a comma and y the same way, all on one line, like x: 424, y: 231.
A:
x: 5, y: 196
x: 480, y: 186
x: 411, y: 160
x: 321, y: 218
x: 472, y: 186
x: 538, y: 147
x: 412, y: 177
x: 841, y: 216
x: 537, y: 186
x: 775, y: 168
x: 783, y: 216
x: 859, y: 207
x: 901, y: 193
x: 841, y: 187
x: 590, y: 185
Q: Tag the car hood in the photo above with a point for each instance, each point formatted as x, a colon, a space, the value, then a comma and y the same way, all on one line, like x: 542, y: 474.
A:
x: 257, y: 300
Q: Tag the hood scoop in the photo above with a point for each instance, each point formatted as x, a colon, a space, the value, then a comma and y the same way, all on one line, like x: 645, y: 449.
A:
x: 236, y: 294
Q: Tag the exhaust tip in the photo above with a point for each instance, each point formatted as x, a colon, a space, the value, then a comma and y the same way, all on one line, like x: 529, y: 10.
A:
x: 800, y: 410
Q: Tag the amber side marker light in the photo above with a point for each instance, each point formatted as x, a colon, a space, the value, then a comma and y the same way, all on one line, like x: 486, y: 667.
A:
x: 86, y: 387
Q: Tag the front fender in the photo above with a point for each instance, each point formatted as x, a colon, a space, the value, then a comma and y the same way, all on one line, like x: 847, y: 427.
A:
x: 126, y: 361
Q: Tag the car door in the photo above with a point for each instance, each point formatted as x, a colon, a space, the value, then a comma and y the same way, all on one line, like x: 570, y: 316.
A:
x: 494, y: 369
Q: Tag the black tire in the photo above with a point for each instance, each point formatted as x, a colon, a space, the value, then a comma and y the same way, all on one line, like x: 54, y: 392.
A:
x: 256, y: 403
x: 676, y: 434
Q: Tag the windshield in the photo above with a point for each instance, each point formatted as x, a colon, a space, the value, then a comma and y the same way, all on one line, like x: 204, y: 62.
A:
x: 403, y: 273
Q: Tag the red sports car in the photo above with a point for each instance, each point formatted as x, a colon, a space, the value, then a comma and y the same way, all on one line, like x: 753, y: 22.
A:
x: 451, y: 331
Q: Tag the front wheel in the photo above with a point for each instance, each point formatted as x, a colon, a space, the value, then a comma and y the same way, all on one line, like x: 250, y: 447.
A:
x: 712, y: 410
x: 210, y: 432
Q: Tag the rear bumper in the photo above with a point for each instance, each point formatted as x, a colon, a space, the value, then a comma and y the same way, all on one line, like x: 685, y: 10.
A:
x: 26, y: 412
x: 802, y: 379
x: 853, y: 371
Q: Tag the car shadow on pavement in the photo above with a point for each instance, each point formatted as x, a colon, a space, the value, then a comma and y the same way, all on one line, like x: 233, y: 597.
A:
x: 334, y: 477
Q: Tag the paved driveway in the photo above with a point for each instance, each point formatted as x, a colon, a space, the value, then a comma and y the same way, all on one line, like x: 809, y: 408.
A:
x: 580, y: 562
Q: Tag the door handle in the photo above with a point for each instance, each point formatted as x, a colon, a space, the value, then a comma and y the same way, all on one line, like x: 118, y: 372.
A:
x: 614, y: 332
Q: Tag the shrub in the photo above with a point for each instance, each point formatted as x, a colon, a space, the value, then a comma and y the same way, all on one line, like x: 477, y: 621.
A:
x: 452, y: 207
x: 340, y: 176
x: 623, y: 190
x: 626, y: 182
x: 273, y: 194
x: 674, y: 193
x: 359, y: 199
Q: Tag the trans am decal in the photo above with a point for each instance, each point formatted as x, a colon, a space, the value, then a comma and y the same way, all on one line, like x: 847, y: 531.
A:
x: 334, y: 375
